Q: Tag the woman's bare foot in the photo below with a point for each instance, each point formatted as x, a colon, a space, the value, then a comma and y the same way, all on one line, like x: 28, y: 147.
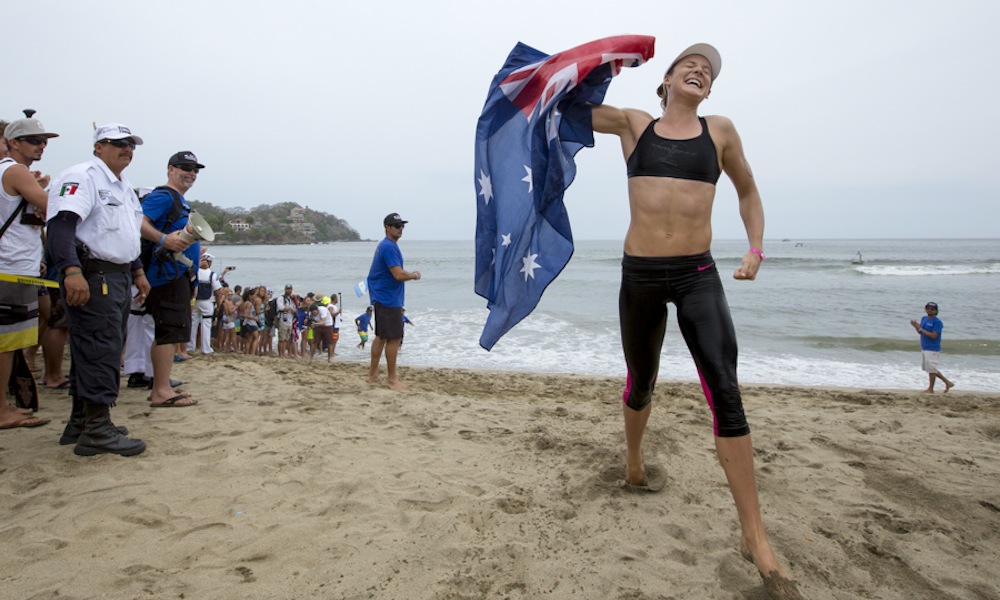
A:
x: 653, y: 479
x: 776, y: 582
x: 635, y: 474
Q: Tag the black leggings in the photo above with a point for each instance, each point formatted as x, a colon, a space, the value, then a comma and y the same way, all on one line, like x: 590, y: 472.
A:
x: 692, y: 283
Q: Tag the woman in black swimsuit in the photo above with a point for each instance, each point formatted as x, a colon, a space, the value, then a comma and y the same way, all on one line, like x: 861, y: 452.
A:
x: 674, y: 163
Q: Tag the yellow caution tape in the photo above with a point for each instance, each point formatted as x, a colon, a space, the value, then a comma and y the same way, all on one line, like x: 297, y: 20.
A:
x: 28, y: 280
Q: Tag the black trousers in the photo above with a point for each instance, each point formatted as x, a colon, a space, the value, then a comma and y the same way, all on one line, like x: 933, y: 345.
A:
x: 97, y: 336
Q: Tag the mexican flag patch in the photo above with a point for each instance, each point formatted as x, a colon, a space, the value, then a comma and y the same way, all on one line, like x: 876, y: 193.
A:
x: 68, y: 189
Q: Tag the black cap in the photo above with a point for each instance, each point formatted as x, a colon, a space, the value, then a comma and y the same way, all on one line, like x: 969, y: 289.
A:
x: 931, y: 305
x: 185, y: 157
x: 393, y: 219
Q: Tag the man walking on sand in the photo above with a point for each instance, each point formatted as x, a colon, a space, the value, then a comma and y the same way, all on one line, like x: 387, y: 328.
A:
x: 930, y: 328
x: 386, y: 288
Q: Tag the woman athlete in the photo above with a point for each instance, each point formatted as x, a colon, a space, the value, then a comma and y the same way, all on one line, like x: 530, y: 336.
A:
x: 673, y: 165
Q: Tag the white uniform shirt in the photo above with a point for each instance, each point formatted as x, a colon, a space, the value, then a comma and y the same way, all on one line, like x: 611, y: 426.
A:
x: 21, y: 245
x: 108, y: 207
x: 206, y: 275
x: 207, y: 306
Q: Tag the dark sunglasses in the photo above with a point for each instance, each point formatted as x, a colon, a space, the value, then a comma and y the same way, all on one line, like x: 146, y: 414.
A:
x: 34, y: 141
x: 120, y: 143
x: 399, y: 226
x: 187, y: 168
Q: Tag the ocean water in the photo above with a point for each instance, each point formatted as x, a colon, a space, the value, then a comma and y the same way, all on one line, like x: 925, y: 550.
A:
x: 811, y: 317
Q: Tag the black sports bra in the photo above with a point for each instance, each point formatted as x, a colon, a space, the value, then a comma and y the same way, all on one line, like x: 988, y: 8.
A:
x: 656, y: 156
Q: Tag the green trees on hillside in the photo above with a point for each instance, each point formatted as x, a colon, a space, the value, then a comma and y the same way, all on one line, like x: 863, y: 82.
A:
x: 283, y: 223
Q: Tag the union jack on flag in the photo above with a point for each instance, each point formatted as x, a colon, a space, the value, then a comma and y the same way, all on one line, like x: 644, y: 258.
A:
x: 536, y: 118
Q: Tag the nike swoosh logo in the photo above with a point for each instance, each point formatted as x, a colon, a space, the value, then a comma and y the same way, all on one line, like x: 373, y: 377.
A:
x: 708, y: 266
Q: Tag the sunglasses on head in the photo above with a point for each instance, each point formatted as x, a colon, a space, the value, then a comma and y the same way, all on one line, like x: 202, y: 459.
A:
x: 187, y: 168
x: 34, y: 141
x: 120, y: 143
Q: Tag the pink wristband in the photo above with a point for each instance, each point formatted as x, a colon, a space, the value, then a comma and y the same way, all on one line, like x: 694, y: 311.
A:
x: 758, y: 253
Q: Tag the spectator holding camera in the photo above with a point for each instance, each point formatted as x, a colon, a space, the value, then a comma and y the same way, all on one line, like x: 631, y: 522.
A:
x: 287, y: 310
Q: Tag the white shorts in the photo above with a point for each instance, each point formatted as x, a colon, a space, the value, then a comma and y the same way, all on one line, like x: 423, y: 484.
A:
x: 929, y: 360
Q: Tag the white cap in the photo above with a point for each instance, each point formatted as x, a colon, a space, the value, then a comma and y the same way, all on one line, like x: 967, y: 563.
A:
x: 115, y: 131
x: 706, y: 50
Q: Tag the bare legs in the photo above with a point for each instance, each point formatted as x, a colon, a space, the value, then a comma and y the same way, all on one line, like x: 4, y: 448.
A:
x: 53, y: 346
x: 10, y: 416
x: 162, y: 356
x: 635, y: 426
x: 736, y: 456
x: 391, y: 348
x: 937, y: 375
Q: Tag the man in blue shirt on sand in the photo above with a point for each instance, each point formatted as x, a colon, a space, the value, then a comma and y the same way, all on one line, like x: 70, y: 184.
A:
x: 166, y: 213
x: 930, y: 328
x: 385, y: 287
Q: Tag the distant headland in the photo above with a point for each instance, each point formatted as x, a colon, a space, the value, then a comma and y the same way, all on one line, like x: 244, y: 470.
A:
x: 284, y: 223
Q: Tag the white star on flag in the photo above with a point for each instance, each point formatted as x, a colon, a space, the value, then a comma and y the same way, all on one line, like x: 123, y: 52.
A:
x: 486, y: 186
x: 506, y: 240
x: 530, y: 265
x: 527, y: 178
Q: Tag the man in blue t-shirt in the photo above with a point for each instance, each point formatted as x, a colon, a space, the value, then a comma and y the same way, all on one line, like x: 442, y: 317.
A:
x: 385, y: 287
x: 930, y: 328
x: 166, y: 213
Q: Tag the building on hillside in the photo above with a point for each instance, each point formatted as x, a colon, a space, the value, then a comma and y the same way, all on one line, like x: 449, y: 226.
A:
x: 240, y: 225
x: 306, y: 228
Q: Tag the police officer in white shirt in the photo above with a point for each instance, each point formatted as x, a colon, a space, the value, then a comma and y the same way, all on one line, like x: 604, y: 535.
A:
x: 93, y: 232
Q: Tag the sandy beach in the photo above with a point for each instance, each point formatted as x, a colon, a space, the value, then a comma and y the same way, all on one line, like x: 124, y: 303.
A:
x: 298, y: 480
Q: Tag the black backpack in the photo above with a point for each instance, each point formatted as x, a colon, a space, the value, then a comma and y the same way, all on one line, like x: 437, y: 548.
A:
x: 205, y: 287
x: 271, y: 313
x: 176, y: 212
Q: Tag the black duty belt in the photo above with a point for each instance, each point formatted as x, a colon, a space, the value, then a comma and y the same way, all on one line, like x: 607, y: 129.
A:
x: 94, y: 265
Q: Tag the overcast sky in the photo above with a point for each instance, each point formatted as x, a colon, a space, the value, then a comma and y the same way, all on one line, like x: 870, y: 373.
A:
x: 861, y: 119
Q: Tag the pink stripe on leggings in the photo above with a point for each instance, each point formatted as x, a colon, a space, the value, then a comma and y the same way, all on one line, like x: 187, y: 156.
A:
x: 628, y: 387
x: 711, y: 405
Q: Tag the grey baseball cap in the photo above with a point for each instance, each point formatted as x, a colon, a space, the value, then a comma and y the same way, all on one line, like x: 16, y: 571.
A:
x: 25, y: 127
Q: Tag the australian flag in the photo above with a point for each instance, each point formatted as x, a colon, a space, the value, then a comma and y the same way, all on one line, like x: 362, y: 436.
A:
x: 536, y: 118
